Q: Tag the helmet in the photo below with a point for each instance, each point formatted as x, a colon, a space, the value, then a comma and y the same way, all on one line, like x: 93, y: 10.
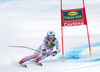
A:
x: 50, y: 34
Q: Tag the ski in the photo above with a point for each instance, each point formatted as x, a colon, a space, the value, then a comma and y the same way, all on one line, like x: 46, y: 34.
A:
x: 37, y: 63
x: 18, y: 64
x: 23, y: 65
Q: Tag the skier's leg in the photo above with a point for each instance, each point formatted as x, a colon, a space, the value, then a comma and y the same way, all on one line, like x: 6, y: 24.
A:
x: 41, y: 57
x: 44, y: 56
x: 28, y: 58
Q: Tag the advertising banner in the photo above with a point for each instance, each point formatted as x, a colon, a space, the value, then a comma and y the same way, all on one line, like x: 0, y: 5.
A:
x: 74, y: 17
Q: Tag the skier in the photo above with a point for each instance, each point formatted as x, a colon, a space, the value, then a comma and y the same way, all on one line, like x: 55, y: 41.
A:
x: 45, y: 50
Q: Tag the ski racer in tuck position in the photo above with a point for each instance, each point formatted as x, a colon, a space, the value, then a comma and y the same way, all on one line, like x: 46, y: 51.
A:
x: 45, y: 50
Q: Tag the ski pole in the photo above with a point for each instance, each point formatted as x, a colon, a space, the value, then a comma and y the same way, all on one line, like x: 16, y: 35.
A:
x: 25, y: 47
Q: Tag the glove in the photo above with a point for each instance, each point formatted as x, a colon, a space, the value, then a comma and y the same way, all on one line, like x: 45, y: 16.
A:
x: 54, y: 53
x: 44, y: 52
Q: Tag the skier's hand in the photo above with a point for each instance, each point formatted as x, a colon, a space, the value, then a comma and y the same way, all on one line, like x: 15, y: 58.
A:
x: 44, y: 52
x: 54, y: 53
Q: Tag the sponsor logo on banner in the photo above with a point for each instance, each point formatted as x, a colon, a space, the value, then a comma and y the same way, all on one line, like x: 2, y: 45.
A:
x: 72, y: 15
x: 73, y: 24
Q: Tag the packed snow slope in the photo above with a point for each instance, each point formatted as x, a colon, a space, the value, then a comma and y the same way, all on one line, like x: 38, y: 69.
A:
x: 76, y: 56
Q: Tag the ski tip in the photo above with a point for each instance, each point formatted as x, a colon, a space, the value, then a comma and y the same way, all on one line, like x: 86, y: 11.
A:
x: 38, y: 63
x: 41, y: 65
x: 23, y: 65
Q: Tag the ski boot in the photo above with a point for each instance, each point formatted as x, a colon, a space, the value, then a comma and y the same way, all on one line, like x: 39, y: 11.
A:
x: 37, y: 61
x: 21, y: 63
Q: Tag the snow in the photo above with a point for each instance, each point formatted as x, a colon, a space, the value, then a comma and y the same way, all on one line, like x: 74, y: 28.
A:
x: 25, y: 23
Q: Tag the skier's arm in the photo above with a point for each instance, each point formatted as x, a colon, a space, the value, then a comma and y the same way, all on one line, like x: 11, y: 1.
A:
x: 43, y: 47
x: 44, y: 43
x: 57, y: 46
x: 54, y: 53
